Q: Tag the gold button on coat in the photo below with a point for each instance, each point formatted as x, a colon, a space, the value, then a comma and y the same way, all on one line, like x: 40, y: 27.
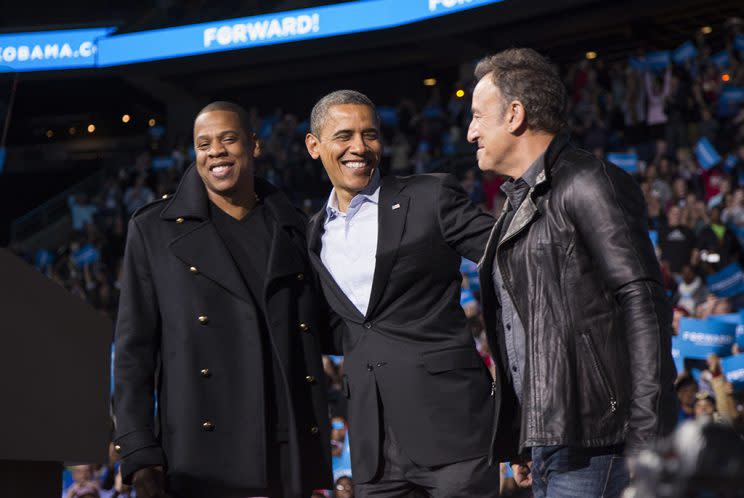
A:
x: 314, y: 429
x: 208, y: 425
x: 165, y: 196
x: 117, y: 448
x: 206, y: 373
x: 179, y: 220
x: 310, y: 379
x: 203, y: 319
x: 194, y: 270
x: 300, y: 276
x: 304, y: 327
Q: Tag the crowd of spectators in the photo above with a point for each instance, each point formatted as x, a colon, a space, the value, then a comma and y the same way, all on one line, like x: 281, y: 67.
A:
x: 658, y: 115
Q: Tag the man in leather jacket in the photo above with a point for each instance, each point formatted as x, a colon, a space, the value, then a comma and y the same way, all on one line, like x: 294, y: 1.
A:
x: 575, y: 311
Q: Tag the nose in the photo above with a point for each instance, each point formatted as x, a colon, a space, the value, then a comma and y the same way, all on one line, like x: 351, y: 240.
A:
x: 217, y: 149
x: 357, y: 145
x: 472, y: 132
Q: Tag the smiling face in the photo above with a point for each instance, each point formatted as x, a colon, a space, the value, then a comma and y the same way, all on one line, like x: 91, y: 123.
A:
x: 489, y: 128
x: 349, y: 147
x: 224, y: 157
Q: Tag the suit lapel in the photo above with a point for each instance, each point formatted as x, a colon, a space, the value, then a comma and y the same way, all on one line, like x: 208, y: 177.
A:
x: 315, y: 231
x: 203, y: 248
x: 391, y: 221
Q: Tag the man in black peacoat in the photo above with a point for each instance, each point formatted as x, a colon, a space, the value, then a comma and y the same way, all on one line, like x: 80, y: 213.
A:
x: 188, y: 332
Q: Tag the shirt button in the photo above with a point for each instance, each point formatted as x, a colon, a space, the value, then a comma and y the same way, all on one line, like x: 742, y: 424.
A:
x: 508, y: 326
x: 368, y: 325
x: 514, y: 368
x: 370, y: 367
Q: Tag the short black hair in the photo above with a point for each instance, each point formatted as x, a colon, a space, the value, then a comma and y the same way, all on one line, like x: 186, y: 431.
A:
x: 339, y: 97
x: 222, y: 105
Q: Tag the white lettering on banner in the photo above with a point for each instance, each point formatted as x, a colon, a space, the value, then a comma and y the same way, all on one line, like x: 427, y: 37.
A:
x: 447, y: 4
x: 736, y: 375
x: 707, y: 339
x: 263, y: 30
x: 726, y: 282
x: 24, y: 53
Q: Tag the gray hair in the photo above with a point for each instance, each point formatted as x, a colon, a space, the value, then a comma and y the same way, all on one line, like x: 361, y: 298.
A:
x: 340, y: 97
x: 523, y: 74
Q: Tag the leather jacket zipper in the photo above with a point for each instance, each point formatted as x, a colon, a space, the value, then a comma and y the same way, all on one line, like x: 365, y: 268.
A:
x: 598, y: 367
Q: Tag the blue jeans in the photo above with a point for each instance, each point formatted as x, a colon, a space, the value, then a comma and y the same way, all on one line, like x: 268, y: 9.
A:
x: 566, y: 472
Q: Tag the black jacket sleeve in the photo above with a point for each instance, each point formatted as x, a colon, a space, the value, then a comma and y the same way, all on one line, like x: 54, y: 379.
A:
x: 464, y: 226
x: 608, y: 210
x: 137, y: 343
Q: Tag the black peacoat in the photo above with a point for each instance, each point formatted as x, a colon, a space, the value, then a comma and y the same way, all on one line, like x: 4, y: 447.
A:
x: 181, y: 328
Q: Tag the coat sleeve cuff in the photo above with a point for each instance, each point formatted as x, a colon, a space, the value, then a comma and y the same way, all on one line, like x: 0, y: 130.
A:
x: 138, y: 449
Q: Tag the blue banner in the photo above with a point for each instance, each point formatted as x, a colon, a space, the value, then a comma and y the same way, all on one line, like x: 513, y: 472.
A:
x: 721, y: 59
x: 269, y: 29
x: 658, y: 61
x: 679, y: 360
x: 729, y: 163
x: 733, y: 367
x: 700, y: 338
x: 728, y: 282
x: 2, y: 159
x: 627, y: 161
x: 654, y: 236
x: 86, y: 255
x: 706, y: 154
x: 684, y: 52
x: 45, y: 50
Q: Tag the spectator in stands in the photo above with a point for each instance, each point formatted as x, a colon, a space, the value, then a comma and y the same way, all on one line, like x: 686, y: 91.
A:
x: 677, y: 241
x: 717, y: 244
x: 687, y: 389
x: 691, y: 291
x: 343, y: 488
x: 137, y: 196
x: 81, y: 211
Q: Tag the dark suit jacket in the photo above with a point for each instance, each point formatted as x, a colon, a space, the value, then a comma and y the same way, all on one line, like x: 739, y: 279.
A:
x: 184, y: 307
x: 413, y: 350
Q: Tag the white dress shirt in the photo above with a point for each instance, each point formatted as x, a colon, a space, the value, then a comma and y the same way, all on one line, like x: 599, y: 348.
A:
x: 349, y: 243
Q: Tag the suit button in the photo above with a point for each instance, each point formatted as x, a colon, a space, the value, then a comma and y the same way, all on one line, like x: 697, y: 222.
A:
x: 203, y: 319
x: 300, y: 276
x: 370, y: 367
x: 303, y: 327
x: 208, y: 426
x: 194, y: 270
x: 117, y: 448
x: 310, y: 379
x: 179, y: 220
x: 368, y: 325
x: 206, y: 373
x: 314, y: 429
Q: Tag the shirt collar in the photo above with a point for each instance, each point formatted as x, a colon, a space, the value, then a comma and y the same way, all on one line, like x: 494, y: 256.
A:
x: 370, y: 193
x: 516, y: 188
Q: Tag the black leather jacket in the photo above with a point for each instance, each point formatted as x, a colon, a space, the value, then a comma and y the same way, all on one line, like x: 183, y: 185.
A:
x: 579, y: 265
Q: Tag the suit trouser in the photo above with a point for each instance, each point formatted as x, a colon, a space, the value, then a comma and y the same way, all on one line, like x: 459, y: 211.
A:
x: 400, y: 477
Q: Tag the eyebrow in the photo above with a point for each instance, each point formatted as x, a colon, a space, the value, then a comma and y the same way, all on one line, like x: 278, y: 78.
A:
x: 220, y: 135
x: 349, y: 132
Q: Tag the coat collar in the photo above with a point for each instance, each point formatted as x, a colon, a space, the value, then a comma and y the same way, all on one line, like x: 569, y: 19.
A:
x: 190, y: 201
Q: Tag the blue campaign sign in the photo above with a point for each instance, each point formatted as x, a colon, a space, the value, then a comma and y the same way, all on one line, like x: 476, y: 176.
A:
x: 677, y: 347
x: 729, y: 163
x: 721, y: 59
x: 45, y: 50
x: 658, y: 61
x: 728, y: 282
x: 86, y: 255
x: 269, y: 29
x: 627, y: 161
x: 706, y: 154
x: 684, y: 52
x: 699, y: 338
x: 654, y: 236
x: 733, y: 367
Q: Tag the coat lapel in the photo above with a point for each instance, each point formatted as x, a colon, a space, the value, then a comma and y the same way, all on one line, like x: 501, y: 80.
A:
x: 526, y: 213
x: 203, y: 248
x: 391, y: 220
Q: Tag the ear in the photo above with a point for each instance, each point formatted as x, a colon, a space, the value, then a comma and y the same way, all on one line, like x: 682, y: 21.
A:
x: 516, y: 117
x: 313, y: 145
x: 256, y: 146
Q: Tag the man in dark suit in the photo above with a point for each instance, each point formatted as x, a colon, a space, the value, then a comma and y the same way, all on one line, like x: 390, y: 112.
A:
x: 388, y: 253
x: 218, y: 317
